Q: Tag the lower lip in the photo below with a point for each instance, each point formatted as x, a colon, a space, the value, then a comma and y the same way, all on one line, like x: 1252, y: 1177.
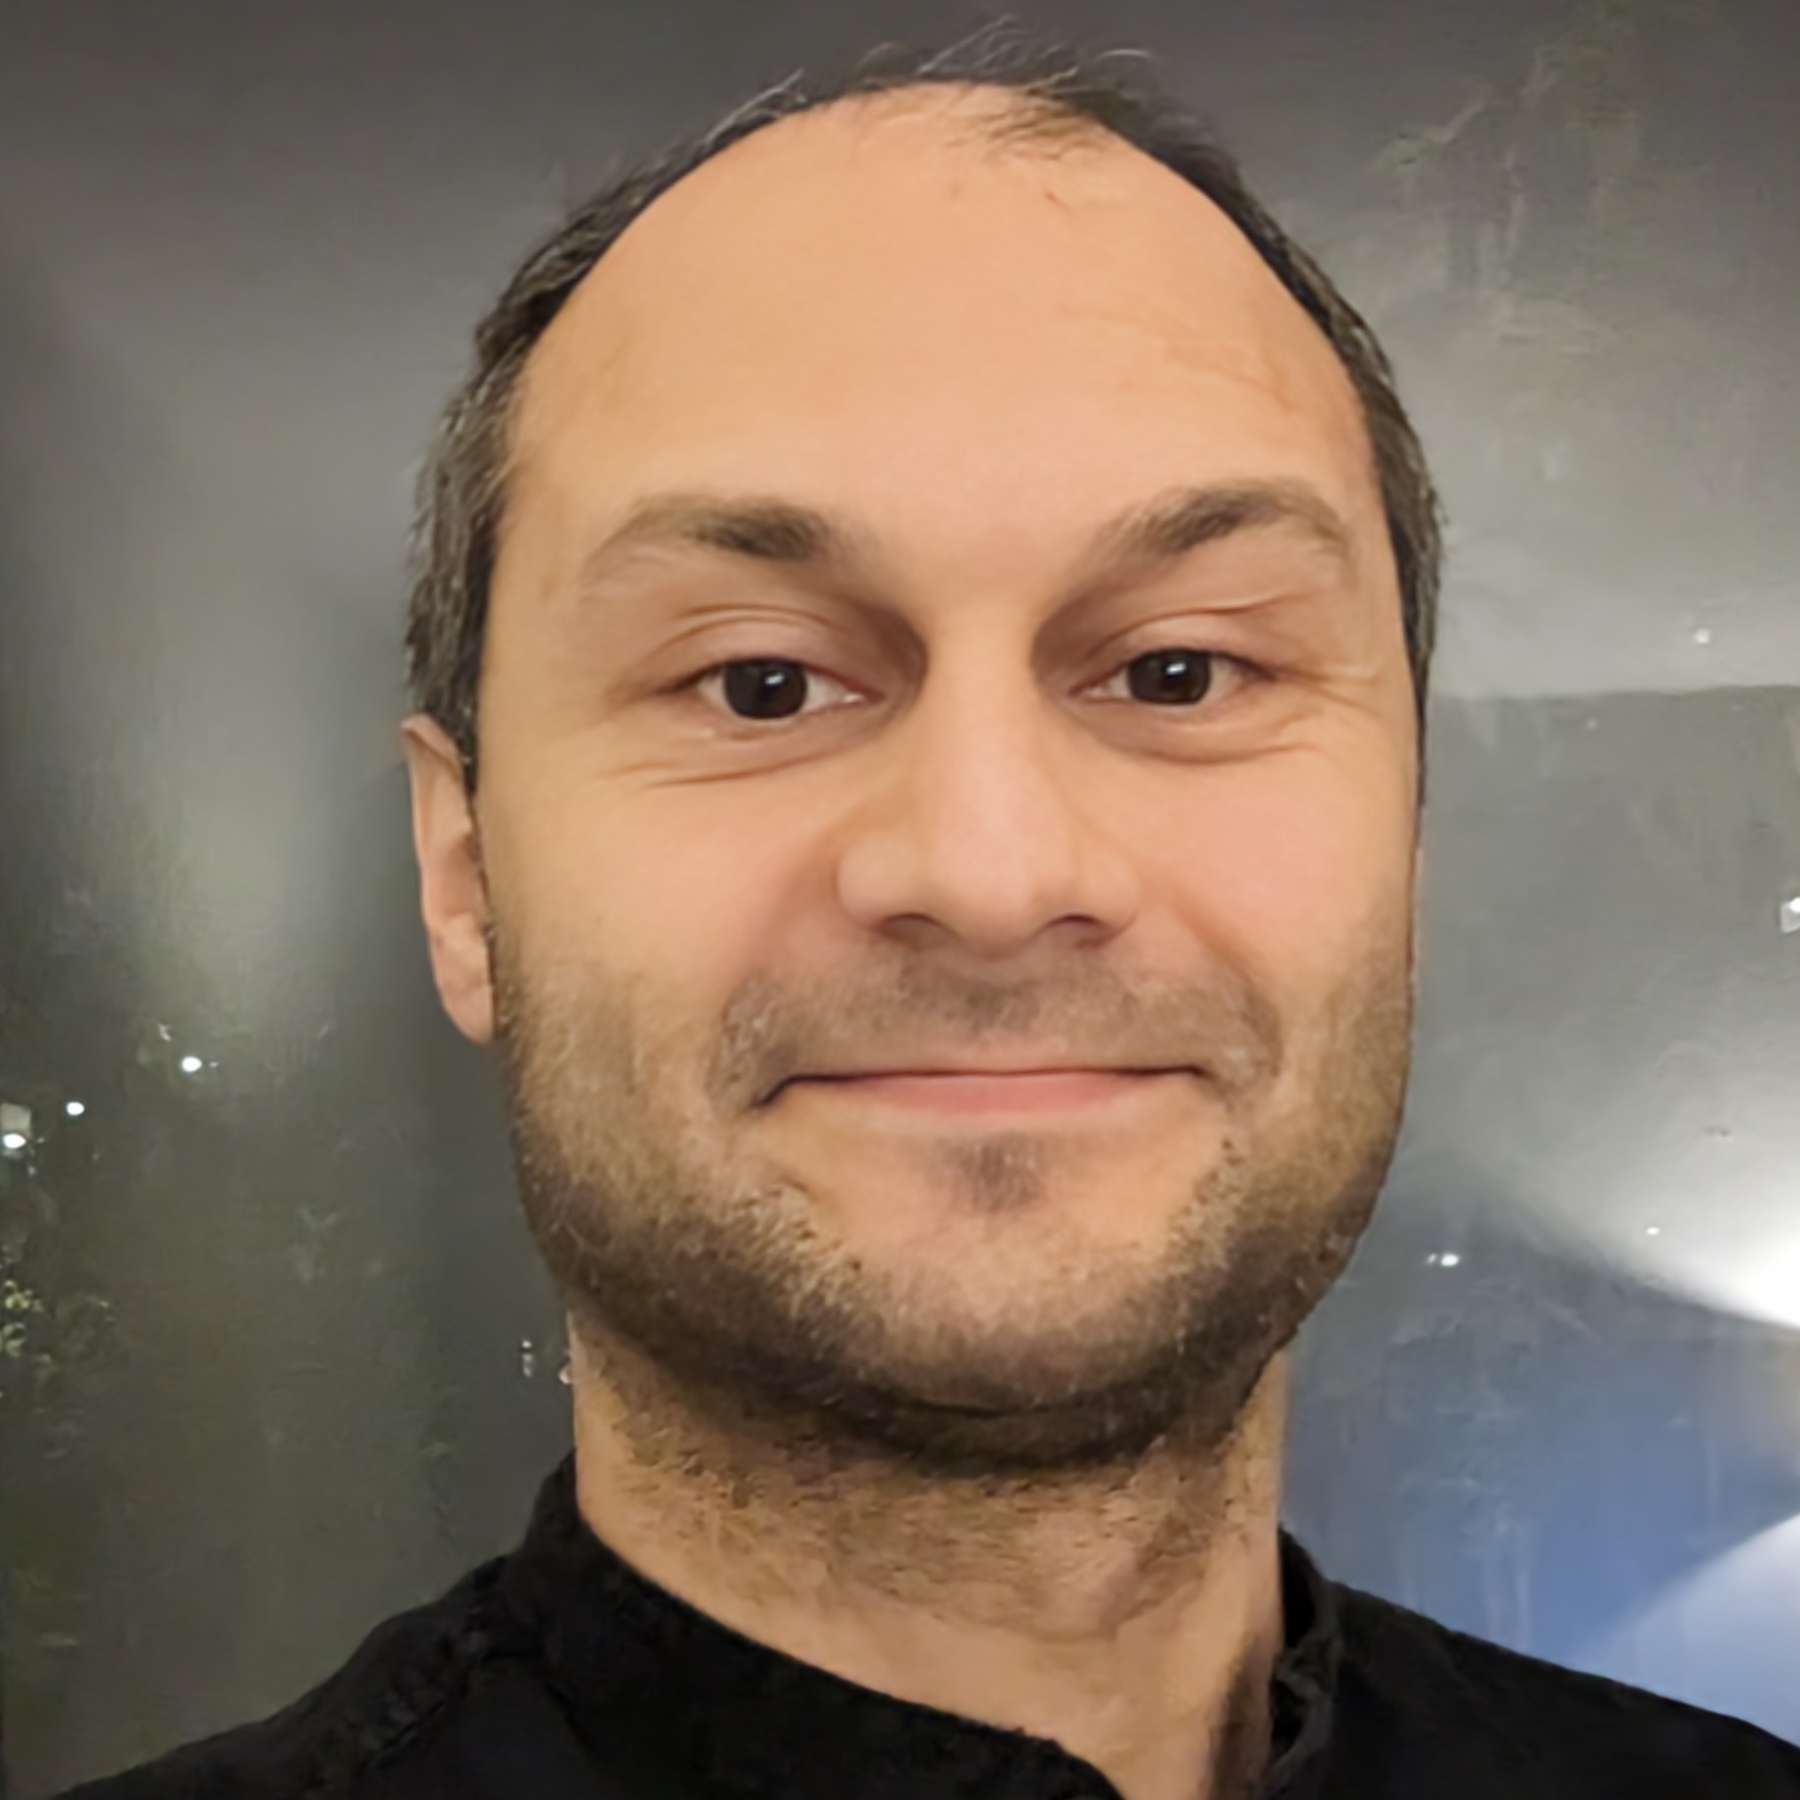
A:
x: 1053, y: 1093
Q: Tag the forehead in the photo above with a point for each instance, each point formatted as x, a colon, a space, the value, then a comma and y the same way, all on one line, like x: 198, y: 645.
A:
x: 876, y: 286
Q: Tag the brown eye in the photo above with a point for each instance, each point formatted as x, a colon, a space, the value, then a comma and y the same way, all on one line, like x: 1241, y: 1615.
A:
x: 1171, y: 677
x: 764, y: 688
x: 773, y: 689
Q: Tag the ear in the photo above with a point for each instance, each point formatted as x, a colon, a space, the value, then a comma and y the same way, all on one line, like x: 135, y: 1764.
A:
x: 452, y: 891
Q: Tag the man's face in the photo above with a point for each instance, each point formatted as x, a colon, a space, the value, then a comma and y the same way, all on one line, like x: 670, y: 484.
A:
x: 964, y: 814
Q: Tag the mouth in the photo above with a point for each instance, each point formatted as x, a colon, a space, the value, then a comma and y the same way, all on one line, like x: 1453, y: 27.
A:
x: 1055, y: 1090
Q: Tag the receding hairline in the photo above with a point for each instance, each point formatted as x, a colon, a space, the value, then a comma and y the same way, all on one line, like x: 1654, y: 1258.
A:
x: 1006, y: 88
x: 987, y: 116
x: 991, y: 120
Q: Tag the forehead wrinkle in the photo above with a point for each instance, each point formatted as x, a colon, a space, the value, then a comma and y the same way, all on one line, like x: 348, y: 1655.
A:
x: 613, y: 330
x: 754, y: 202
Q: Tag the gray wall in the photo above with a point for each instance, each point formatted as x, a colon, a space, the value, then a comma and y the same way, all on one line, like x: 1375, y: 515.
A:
x: 262, y: 1371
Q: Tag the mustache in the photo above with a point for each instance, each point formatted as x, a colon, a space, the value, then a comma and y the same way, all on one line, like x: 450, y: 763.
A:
x: 1234, y: 1039
x: 912, y: 1017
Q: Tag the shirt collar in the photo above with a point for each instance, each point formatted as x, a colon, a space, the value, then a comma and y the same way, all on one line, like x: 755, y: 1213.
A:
x: 681, y: 1702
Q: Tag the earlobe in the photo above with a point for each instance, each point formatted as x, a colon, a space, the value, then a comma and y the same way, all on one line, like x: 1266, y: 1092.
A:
x: 452, y: 888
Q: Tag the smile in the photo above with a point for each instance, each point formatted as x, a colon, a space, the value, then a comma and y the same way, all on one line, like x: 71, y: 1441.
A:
x: 1048, y: 1091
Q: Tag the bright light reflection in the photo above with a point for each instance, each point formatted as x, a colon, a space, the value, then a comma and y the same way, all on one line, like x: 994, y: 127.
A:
x: 1770, y: 1287
x: 1726, y: 1635
x: 191, y: 1065
x: 13, y: 1140
x: 74, y: 1109
x: 1738, y: 1249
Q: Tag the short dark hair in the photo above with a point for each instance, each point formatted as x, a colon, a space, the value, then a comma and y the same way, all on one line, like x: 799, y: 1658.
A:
x: 1059, y: 96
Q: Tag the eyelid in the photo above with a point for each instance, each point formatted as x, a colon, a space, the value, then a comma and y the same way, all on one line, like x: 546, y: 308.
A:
x: 1249, y: 671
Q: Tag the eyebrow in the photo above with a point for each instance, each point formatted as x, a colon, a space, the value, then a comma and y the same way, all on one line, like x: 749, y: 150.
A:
x: 1155, y: 533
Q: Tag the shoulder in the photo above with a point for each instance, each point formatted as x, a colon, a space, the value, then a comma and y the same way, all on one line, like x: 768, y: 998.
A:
x: 1502, y: 1723
x: 405, y: 1683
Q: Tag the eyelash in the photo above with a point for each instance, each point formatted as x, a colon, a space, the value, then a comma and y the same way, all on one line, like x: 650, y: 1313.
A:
x: 689, y: 685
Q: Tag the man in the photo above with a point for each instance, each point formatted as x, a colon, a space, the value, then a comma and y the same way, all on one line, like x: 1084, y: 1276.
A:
x: 949, y: 594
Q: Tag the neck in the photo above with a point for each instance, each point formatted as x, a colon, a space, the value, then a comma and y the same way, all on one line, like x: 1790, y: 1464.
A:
x: 1131, y: 1614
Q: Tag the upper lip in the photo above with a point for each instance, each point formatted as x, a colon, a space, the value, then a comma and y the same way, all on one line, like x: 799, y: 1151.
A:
x: 953, y: 1065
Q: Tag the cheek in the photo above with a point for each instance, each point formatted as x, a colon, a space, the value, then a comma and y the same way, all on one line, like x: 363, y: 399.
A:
x: 1288, y: 865
x: 1291, y: 866
x: 658, y: 882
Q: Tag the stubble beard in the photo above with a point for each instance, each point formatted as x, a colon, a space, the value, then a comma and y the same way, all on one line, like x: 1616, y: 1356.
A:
x: 731, y: 1306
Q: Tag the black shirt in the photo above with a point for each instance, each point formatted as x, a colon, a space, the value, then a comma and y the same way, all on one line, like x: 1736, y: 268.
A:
x: 559, y: 1673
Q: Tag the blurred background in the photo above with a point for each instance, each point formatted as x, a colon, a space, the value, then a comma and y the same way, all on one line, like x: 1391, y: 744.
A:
x: 276, y: 1358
